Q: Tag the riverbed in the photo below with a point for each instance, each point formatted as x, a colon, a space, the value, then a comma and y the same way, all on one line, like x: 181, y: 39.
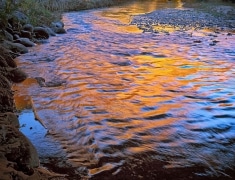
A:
x: 132, y: 104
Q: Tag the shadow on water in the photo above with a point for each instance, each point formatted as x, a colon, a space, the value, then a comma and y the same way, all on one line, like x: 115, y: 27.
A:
x: 133, y: 105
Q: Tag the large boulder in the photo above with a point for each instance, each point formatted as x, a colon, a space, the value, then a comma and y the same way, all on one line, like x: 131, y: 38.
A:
x: 16, y: 75
x: 6, y: 101
x: 8, y: 36
x: 5, y: 56
x: 18, y: 149
x: 4, y: 82
x: 40, y: 33
x: 25, y: 41
x: 17, y: 18
x: 58, y: 27
x: 28, y: 27
x: 3, y: 62
x: 50, y: 31
x: 15, y: 47
x: 25, y: 34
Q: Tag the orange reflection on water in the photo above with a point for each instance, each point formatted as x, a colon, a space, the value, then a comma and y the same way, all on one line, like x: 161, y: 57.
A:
x: 21, y: 95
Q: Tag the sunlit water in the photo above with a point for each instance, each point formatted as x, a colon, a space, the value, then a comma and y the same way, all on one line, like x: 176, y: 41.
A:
x: 132, y: 98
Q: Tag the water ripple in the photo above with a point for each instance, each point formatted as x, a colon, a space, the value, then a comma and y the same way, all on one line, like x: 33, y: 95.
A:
x: 135, y: 101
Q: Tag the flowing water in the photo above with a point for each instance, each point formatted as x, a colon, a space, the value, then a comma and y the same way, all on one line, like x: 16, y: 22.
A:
x: 132, y: 104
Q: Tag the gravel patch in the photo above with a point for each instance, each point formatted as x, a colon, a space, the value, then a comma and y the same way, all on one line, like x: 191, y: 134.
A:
x: 184, y: 19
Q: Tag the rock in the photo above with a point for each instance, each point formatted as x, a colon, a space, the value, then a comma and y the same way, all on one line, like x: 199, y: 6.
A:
x: 3, y: 62
x: 6, y: 100
x: 41, y: 33
x: 58, y: 24
x: 16, y: 75
x: 25, y: 34
x: 122, y: 63
x: 16, y: 36
x: 8, y: 36
x: 6, y: 57
x: 12, y: 119
x: 9, y: 29
x: 4, y: 83
x: 9, y: 118
x: 19, y: 149
x: 25, y: 41
x: 50, y: 31
x: 15, y: 47
x: 59, y: 30
x: 10, y: 61
x: 58, y: 27
x: 55, y: 83
x: 18, y: 17
x: 28, y: 27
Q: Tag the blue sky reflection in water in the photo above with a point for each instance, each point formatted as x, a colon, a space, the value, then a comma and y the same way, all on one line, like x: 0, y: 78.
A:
x: 135, y: 97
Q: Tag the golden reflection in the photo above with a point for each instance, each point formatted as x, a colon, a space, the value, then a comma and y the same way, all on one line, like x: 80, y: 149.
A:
x: 180, y: 4
x: 21, y: 95
x: 106, y: 100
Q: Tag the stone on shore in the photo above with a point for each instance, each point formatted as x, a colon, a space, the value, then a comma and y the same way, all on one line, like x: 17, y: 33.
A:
x: 25, y: 41
x: 25, y: 34
x: 41, y: 33
x: 18, y: 17
x: 16, y: 75
x: 15, y: 47
x: 58, y: 27
x: 28, y: 27
x: 8, y: 36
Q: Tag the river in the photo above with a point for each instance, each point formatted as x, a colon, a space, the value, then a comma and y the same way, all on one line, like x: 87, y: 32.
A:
x: 132, y: 105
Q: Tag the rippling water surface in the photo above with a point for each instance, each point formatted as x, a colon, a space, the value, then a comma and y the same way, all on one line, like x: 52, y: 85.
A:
x: 133, y: 102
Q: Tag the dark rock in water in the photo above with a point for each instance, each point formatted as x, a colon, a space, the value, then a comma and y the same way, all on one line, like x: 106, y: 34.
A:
x: 58, y: 24
x: 26, y: 34
x: 197, y: 41
x: 25, y: 41
x: 15, y: 47
x: 41, y: 33
x: 60, y: 31
x: 122, y: 63
x: 28, y: 27
x: 41, y: 81
x: 55, y: 83
x: 16, y: 75
x: 212, y: 44
x: 58, y: 27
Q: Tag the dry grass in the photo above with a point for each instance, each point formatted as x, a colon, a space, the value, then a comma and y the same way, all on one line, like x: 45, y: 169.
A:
x: 69, y: 5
